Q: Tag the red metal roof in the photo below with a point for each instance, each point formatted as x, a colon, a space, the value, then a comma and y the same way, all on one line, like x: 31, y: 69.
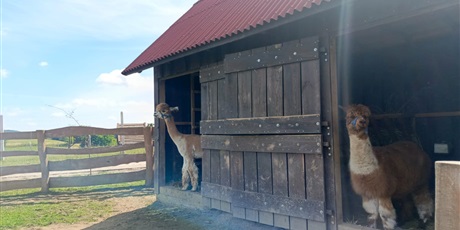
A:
x: 212, y: 20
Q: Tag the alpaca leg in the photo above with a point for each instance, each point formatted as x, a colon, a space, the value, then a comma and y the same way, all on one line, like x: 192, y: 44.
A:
x: 185, y: 176
x: 424, y: 204
x: 193, y: 172
x: 372, y: 208
x: 387, y: 213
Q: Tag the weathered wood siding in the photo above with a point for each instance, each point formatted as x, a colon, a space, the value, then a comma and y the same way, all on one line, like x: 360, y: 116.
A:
x: 261, y: 126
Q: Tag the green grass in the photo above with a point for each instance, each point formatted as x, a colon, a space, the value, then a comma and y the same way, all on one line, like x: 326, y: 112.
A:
x: 31, y: 145
x: 46, y: 213
x: 28, y: 208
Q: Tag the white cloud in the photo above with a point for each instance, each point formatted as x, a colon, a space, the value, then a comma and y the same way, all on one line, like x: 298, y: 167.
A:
x: 43, y: 64
x: 3, y: 73
x: 134, y: 82
x: 115, y: 93
x: 89, y: 18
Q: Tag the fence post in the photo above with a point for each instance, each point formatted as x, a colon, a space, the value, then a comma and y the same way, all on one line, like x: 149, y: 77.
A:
x: 447, y: 197
x: 148, y: 142
x: 43, y: 160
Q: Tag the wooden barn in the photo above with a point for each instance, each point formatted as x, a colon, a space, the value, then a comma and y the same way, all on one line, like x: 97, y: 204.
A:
x: 263, y: 82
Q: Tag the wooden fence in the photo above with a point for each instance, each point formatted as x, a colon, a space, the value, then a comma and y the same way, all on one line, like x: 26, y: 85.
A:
x: 45, y: 166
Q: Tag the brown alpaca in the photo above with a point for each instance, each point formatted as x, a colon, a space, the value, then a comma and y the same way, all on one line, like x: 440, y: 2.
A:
x: 379, y: 174
x: 189, y: 145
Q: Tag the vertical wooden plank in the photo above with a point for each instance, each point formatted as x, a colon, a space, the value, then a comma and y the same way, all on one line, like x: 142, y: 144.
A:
x: 279, y: 161
x: 160, y: 140
x: 250, y: 181
x: 335, y: 167
x: 280, y: 185
x: 259, y: 92
x: 212, y: 100
x: 275, y: 91
x: 252, y: 215
x: 148, y: 145
x: 237, y: 180
x: 43, y: 161
x: 293, y: 106
x: 206, y: 202
x: 224, y: 168
x: 332, y: 155
x: 264, y: 172
x: 292, y: 96
x: 296, y: 178
x: 228, y: 96
x: 297, y: 223
x: 225, y: 206
x: 215, y: 167
x: 204, y: 101
x: 447, y: 201
x: 236, y: 170
x: 311, y: 95
x: 206, y: 166
x: 221, y: 98
x: 259, y: 109
x: 250, y: 171
x: 265, y: 183
x: 314, y: 174
x: 244, y: 94
x: 215, y: 203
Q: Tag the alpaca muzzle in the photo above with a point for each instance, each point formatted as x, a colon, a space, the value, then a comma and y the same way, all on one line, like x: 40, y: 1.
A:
x: 361, y: 121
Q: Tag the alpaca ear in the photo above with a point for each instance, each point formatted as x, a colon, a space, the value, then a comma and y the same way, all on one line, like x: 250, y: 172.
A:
x: 174, y: 109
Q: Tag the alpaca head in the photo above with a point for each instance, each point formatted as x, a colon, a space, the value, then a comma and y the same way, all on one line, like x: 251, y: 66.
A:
x: 163, y: 111
x: 357, y: 118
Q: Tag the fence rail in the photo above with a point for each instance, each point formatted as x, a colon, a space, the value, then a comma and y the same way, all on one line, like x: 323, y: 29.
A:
x: 46, y: 182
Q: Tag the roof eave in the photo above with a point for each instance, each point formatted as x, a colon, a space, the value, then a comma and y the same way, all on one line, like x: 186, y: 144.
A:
x: 219, y: 42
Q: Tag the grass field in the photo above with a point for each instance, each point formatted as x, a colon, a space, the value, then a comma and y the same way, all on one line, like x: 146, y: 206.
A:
x: 31, y: 145
x: 28, y: 208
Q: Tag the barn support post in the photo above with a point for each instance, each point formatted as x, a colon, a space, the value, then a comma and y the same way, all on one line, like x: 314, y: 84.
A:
x: 43, y: 160
x: 447, y: 204
x: 148, y: 142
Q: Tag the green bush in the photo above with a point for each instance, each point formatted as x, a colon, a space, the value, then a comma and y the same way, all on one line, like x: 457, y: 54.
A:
x: 99, y: 140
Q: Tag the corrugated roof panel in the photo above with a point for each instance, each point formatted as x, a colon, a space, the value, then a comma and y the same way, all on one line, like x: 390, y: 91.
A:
x: 212, y: 20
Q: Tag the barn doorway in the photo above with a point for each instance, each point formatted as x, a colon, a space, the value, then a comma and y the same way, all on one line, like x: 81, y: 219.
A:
x: 407, y: 72
x: 184, y: 92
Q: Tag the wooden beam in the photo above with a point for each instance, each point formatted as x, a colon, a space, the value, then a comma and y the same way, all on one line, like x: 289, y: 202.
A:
x: 263, y: 125
x: 95, y: 162
x: 85, y: 130
x: 97, y: 150
x: 20, y: 184
x: 307, y: 144
x: 148, y: 143
x: 18, y: 135
x: 18, y: 153
x: 8, y: 170
x: 308, y: 209
x: 78, y: 181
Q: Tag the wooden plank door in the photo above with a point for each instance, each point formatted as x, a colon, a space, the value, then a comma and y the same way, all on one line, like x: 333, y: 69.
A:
x: 261, y: 127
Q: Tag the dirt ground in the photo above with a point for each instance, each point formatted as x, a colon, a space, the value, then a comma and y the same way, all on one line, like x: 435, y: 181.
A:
x: 138, y: 209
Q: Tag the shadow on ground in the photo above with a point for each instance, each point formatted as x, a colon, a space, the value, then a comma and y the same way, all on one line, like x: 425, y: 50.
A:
x: 163, y: 216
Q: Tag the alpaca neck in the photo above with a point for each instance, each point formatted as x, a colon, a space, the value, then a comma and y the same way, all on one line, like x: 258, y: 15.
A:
x: 362, y: 158
x: 172, y: 129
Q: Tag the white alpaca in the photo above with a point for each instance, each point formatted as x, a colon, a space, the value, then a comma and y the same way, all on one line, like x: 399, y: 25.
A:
x: 189, y: 146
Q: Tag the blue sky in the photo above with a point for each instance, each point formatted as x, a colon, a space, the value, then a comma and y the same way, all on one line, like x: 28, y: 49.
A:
x: 64, y: 56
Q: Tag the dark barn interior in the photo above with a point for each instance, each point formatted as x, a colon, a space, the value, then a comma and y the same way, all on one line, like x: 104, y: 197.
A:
x: 408, y: 74
x: 184, y: 92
